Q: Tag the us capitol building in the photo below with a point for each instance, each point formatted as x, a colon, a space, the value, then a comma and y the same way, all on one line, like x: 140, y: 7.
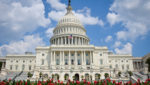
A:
x: 70, y: 55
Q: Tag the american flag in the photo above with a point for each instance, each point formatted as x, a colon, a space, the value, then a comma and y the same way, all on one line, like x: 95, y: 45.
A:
x: 70, y: 37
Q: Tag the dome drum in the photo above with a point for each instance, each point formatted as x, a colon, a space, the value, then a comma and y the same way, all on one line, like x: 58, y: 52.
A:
x: 69, y: 40
x: 69, y: 30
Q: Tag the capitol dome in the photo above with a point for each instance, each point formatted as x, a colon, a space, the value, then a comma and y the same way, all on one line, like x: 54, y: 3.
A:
x: 69, y: 31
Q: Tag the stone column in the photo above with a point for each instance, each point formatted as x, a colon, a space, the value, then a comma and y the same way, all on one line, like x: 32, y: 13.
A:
x: 90, y: 58
x: 54, y: 59
x: 68, y: 41
x: 69, y: 59
x: 78, y: 41
x: 75, y: 40
x: 72, y: 40
x: 55, y: 41
x: 75, y: 58
x: 65, y: 40
x: 82, y: 41
x: 60, y: 58
x: 2, y: 65
x: 63, y: 59
x: 61, y: 40
x: 51, y: 58
x: 137, y: 66
x: 82, y: 56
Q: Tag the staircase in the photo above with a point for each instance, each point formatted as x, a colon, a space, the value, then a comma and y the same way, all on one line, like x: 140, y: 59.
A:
x: 17, y: 75
x: 138, y: 75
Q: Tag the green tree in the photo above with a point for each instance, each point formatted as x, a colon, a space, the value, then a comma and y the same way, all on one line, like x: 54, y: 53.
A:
x: 40, y: 74
x: 148, y: 62
x: 99, y: 76
x: 0, y: 65
x: 53, y: 76
x: 106, y: 75
x: 29, y: 75
x: 119, y: 74
x: 82, y: 77
x: 130, y: 74
x: 73, y: 77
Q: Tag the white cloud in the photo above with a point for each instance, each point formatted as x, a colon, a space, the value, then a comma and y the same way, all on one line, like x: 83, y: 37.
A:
x: 84, y: 15
x: 126, y: 49
x: 112, y: 18
x: 134, y: 16
x: 18, y: 17
x: 56, y: 15
x: 49, y: 32
x: 108, y: 38
x: 56, y: 4
x: 29, y: 43
x: 117, y: 44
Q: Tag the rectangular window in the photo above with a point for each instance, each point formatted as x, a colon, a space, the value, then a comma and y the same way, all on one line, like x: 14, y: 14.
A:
x: 78, y: 54
x: 110, y: 66
x: 57, y: 61
x: 66, y: 54
x: 23, y: 67
x: 72, y: 61
x: 16, y: 67
x: 29, y: 67
x: 127, y: 66
x: 101, y: 61
x: 87, y: 54
x: 10, y: 67
x: 66, y: 61
x: 42, y: 62
x: 79, y: 62
x: 87, y: 62
x: 72, y: 54
x: 116, y: 65
x: 122, y: 67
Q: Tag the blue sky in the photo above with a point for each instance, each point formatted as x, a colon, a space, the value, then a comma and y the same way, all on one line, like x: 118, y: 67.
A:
x: 121, y: 25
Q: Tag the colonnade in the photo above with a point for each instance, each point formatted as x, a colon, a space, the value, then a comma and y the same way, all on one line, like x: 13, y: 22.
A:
x: 3, y: 65
x: 67, y: 54
x: 137, y: 65
x: 70, y: 40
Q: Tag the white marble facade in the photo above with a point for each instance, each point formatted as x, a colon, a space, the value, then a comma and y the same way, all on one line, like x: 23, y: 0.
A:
x: 70, y: 54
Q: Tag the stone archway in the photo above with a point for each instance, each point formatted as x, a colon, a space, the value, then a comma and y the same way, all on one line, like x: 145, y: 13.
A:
x: 97, y: 76
x: 56, y: 77
x: 66, y: 76
x: 77, y: 77
x: 87, y: 77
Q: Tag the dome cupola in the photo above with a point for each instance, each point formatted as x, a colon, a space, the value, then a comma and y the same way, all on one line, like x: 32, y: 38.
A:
x: 69, y: 30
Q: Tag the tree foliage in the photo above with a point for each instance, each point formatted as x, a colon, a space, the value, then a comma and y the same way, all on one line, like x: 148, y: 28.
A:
x: 130, y: 73
x: 119, y: 74
x: 0, y: 65
x: 106, y: 75
x: 148, y: 62
x: 29, y: 75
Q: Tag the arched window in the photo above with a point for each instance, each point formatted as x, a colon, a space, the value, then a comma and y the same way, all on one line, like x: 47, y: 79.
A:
x: 42, y: 62
x: 122, y: 67
x: 10, y: 67
x: 23, y: 67
x: 101, y: 61
x: 30, y: 67
x: 16, y: 67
